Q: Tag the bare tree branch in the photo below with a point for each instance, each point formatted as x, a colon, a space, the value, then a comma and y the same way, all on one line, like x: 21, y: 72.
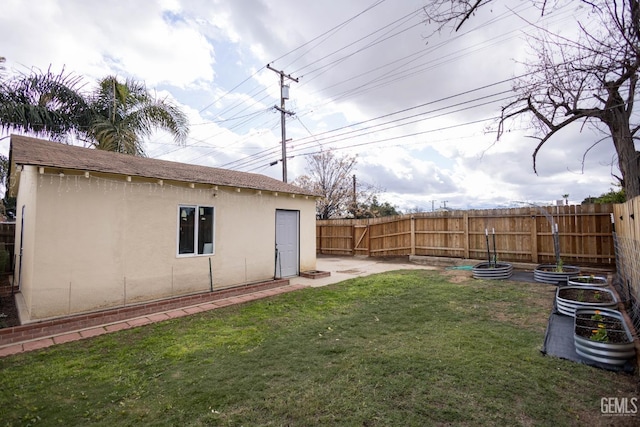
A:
x: 590, y: 78
x: 469, y: 13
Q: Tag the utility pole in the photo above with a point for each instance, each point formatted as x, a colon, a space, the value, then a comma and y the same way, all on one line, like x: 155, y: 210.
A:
x: 444, y: 202
x: 284, y: 94
x: 433, y: 205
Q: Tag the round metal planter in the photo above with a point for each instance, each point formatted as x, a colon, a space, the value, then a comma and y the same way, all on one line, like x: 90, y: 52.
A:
x: 587, y: 281
x: 546, y: 273
x: 568, y: 306
x: 486, y: 270
x: 612, y: 353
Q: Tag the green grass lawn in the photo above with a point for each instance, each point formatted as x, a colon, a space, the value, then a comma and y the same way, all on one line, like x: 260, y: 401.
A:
x: 395, y: 349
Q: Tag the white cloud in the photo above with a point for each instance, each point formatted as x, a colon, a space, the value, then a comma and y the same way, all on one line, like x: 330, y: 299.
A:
x: 376, y: 64
x: 97, y: 38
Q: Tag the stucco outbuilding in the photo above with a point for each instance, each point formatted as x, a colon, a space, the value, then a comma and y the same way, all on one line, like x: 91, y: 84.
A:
x: 98, y: 230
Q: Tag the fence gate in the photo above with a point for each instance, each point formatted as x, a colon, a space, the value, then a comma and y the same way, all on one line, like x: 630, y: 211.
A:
x: 361, y: 240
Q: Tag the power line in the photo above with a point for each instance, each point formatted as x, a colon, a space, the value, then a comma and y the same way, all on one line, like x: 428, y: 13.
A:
x: 237, y: 104
x: 395, y: 138
x: 230, y: 90
x: 327, y: 134
x: 409, y: 15
x: 330, y: 134
x: 300, y: 142
x: 338, y: 97
x: 332, y: 30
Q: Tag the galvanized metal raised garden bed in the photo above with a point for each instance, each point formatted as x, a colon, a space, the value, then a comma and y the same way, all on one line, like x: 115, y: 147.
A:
x: 587, y: 281
x: 548, y: 273
x: 614, y: 347
x: 583, y: 297
x: 487, y: 270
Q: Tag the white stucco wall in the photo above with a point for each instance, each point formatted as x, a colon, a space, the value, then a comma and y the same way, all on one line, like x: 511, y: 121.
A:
x: 100, y: 242
x: 25, y: 239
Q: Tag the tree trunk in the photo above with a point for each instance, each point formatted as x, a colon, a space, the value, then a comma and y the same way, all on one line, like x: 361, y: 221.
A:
x: 628, y: 157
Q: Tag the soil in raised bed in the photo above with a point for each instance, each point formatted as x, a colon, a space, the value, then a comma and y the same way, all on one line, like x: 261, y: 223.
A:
x: 585, y: 295
x: 585, y: 326
x: 568, y: 269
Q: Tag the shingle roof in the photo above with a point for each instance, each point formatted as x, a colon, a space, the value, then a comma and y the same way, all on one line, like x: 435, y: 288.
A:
x: 38, y: 152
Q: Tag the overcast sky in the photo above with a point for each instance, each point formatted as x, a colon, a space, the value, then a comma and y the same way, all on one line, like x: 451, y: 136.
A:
x: 416, y: 108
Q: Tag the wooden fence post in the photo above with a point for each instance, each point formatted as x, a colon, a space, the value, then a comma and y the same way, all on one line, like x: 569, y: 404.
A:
x: 353, y: 239
x: 534, y: 238
x: 368, y: 231
x: 413, y: 235
x: 465, y: 220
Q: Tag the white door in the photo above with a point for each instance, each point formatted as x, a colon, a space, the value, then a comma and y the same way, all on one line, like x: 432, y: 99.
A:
x: 287, y: 243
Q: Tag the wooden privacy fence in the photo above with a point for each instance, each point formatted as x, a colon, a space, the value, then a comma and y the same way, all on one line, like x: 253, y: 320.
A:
x: 521, y: 234
x: 627, y: 222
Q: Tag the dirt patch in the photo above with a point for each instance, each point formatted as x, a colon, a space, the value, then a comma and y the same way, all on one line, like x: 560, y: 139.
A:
x: 534, y: 313
x: 457, y: 276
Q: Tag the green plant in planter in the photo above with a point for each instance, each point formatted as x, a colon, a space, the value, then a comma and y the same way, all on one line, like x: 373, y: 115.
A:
x: 559, y: 266
x: 588, y: 279
x: 580, y: 295
x: 599, y: 334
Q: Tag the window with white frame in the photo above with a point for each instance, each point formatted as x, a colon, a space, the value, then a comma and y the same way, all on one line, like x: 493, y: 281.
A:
x: 195, y: 230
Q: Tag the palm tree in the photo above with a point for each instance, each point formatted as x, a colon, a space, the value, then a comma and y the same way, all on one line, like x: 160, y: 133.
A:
x: 44, y: 104
x: 122, y: 114
x: 115, y: 117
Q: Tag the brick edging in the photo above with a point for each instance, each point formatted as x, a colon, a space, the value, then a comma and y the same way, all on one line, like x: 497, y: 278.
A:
x: 46, y: 328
